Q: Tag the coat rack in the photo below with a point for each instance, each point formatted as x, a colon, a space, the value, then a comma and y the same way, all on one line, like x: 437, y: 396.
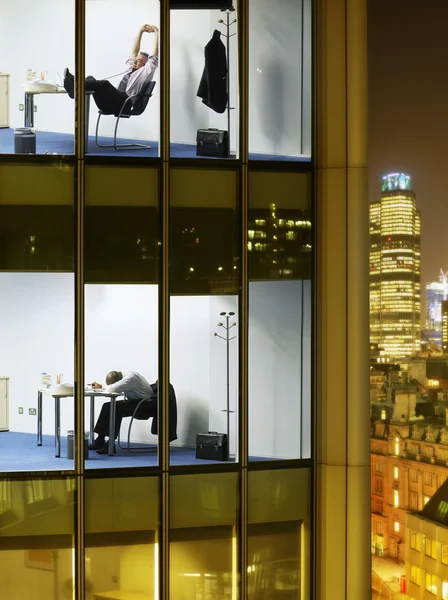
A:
x: 227, y: 339
x: 227, y: 24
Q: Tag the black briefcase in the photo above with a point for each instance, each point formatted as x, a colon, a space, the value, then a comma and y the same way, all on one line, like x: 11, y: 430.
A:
x: 212, y: 142
x: 211, y: 446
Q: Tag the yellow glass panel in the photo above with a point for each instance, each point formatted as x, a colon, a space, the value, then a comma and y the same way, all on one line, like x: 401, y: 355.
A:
x: 37, y: 520
x: 122, y: 523
x: 280, y: 269
x: 122, y: 242
x: 278, y: 534
x: 37, y: 217
x: 203, y: 538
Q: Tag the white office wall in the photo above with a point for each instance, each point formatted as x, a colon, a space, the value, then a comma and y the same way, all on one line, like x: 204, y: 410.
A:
x: 40, y: 36
x: 37, y: 334
x: 277, y: 80
x: 275, y: 368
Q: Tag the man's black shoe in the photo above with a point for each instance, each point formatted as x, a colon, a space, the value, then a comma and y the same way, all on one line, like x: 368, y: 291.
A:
x: 97, y: 444
x: 105, y: 449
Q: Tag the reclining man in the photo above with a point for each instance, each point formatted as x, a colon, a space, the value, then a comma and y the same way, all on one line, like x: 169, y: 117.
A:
x: 135, y: 388
x: 140, y: 71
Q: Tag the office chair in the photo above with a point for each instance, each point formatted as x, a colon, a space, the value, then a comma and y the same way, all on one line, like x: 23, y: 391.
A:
x: 154, y: 424
x: 133, y: 106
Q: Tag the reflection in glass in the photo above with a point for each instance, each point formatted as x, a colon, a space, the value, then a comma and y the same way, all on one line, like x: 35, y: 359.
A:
x: 122, y: 521
x: 36, y: 310
x: 36, y: 538
x: 280, y: 266
x: 204, y: 283
x: 278, y: 545
x: 203, y: 540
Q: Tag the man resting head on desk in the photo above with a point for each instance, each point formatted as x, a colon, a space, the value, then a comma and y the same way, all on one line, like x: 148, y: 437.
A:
x: 135, y: 388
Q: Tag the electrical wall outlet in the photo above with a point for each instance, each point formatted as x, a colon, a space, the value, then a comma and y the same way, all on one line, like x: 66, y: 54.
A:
x: 32, y: 411
x: 21, y: 107
x: 20, y: 410
x: 35, y: 108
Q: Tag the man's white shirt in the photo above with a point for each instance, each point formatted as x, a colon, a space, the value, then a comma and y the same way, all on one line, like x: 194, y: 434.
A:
x: 142, y: 76
x: 133, y: 385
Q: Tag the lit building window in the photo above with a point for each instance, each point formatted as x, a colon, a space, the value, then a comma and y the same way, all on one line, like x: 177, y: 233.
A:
x: 415, y: 541
x: 397, y: 446
x: 431, y: 583
x: 260, y: 222
x: 383, y: 414
x: 425, y: 499
x: 433, y: 382
x: 445, y: 554
x: 396, y: 526
x: 395, y: 472
x: 415, y: 575
x: 444, y: 590
x: 396, y: 499
x: 251, y: 234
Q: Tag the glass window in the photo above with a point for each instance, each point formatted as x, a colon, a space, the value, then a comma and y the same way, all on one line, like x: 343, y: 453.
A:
x: 203, y: 536
x: 36, y: 117
x: 123, y: 78
x: 37, y: 526
x: 279, y: 533
x: 416, y: 574
x: 204, y: 276
x: 36, y: 315
x: 280, y: 317
x: 415, y: 541
x: 431, y: 583
x: 445, y: 554
x: 204, y: 83
x: 121, y: 312
x: 122, y: 532
x: 430, y: 547
x: 280, y: 80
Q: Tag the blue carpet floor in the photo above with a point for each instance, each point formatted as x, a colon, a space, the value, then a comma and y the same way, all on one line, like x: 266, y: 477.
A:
x: 19, y: 452
x: 63, y: 143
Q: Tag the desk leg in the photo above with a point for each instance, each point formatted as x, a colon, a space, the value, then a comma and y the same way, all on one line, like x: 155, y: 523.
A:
x: 113, y: 407
x: 57, y: 425
x: 29, y: 110
x: 39, y: 418
x: 92, y: 417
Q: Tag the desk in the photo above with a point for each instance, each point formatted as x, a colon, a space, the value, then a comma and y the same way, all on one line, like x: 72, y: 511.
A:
x: 92, y: 394
x: 29, y: 107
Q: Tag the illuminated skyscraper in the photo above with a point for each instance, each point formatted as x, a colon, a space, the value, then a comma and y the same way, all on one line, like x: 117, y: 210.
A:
x: 395, y: 269
x: 445, y: 326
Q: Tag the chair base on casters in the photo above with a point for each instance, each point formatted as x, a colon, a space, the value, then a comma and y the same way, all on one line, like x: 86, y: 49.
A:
x: 115, y: 145
x: 135, y: 449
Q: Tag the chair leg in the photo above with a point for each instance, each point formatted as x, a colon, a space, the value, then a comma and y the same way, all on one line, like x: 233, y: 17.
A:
x: 136, y: 449
x: 115, y: 145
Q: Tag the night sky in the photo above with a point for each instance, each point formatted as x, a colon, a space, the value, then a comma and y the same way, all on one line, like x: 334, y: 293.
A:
x: 408, y: 112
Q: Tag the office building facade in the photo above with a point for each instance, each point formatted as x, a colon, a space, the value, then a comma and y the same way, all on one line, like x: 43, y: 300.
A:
x: 395, y: 269
x: 289, y: 512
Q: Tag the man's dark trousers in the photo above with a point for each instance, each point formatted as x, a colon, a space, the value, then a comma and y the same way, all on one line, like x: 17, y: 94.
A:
x: 124, y: 408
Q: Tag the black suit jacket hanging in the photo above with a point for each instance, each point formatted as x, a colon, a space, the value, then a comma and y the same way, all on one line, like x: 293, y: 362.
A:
x: 213, y: 86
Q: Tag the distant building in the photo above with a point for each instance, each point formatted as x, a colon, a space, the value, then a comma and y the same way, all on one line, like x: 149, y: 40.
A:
x: 395, y: 302
x: 426, y: 546
x: 409, y: 450
x: 445, y: 326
